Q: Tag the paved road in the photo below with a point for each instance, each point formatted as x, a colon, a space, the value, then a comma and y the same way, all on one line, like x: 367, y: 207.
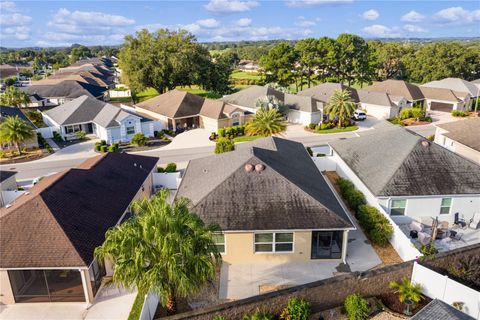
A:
x: 55, y: 163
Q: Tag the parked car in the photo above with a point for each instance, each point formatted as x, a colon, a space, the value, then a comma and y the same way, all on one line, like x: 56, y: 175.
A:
x: 359, y: 115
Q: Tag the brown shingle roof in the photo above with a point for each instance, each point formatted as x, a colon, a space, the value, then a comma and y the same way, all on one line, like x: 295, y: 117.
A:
x: 65, y: 216
x: 213, y: 109
x: 174, y: 104
x: 466, y: 132
x: 398, y: 88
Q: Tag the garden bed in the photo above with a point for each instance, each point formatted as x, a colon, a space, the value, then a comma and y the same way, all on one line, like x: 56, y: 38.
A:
x: 392, y: 302
x: 246, y: 138
x: 25, y: 157
x: 152, y: 144
x: 333, y: 130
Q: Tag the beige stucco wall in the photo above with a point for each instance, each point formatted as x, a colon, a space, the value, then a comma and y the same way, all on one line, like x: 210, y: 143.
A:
x: 6, y: 293
x: 467, y: 152
x: 239, y: 249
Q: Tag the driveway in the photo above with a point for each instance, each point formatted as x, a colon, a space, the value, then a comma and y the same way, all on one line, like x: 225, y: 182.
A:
x: 190, y: 139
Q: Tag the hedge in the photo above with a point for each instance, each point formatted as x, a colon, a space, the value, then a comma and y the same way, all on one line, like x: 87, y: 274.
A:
x: 375, y: 224
x: 350, y: 194
x: 224, y: 145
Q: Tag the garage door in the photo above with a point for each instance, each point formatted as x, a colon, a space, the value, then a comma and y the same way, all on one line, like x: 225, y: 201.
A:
x: 440, y: 106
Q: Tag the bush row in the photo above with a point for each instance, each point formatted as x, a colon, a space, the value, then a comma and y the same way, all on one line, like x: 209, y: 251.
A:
x: 43, y: 144
x: 408, y: 113
x: 224, y: 145
x: 242, y: 82
x: 161, y: 135
x: 459, y: 113
x: 171, y: 167
x: 102, y: 146
x: 374, y: 223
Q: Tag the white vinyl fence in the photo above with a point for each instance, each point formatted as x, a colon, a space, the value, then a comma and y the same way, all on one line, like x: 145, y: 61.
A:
x: 8, y: 196
x: 149, y: 307
x: 437, y: 286
x: 119, y: 94
x: 166, y: 180
x: 46, y: 132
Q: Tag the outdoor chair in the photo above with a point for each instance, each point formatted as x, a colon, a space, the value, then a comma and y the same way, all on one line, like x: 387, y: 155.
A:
x: 475, y: 222
x: 424, y: 238
x: 454, y: 235
x: 459, y: 221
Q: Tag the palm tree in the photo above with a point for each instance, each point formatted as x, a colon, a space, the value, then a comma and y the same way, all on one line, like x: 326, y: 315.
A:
x: 265, y: 123
x: 271, y: 102
x: 340, y: 105
x: 407, y: 290
x: 163, y: 248
x: 14, y: 97
x: 15, y: 130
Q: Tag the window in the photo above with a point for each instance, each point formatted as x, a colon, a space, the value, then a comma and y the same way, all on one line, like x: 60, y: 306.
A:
x: 398, y: 207
x: 219, y: 239
x: 446, y: 206
x: 73, y: 128
x: 274, y: 242
x: 130, y: 130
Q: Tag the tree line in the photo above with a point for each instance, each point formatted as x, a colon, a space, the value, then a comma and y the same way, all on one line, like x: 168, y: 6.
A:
x: 350, y: 59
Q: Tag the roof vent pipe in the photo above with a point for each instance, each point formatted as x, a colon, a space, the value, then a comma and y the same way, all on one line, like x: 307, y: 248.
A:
x: 425, y: 143
x: 259, y: 167
x: 249, y: 167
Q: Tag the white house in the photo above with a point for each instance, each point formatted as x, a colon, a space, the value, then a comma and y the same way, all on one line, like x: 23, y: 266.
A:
x: 107, y: 122
x: 409, y: 177
x: 462, y: 137
x: 446, y: 100
x: 458, y: 85
x: 380, y: 104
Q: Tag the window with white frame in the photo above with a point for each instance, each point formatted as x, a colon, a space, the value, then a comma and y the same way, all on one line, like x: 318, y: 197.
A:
x: 219, y: 240
x: 446, y: 205
x: 398, y: 207
x: 130, y: 130
x: 273, y: 242
x: 73, y: 128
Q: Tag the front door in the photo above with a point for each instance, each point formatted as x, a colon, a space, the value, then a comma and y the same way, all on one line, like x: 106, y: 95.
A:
x: 90, y: 127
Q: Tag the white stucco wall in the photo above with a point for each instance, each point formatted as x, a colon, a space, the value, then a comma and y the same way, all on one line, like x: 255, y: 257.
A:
x: 305, y: 118
x: 380, y: 112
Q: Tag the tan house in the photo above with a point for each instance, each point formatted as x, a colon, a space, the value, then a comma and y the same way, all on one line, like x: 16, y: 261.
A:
x: 271, y: 202
x: 458, y: 85
x: 461, y: 137
x: 399, y: 89
x: 445, y: 100
x: 48, y: 235
x: 177, y: 109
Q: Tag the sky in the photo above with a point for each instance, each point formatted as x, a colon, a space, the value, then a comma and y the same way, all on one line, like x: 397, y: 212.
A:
x: 62, y: 23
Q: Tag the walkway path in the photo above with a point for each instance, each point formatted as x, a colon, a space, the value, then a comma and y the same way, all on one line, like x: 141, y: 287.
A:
x: 190, y: 139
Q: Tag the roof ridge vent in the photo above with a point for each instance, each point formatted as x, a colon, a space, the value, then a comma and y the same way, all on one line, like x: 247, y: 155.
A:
x: 259, y: 167
x: 249, y: 167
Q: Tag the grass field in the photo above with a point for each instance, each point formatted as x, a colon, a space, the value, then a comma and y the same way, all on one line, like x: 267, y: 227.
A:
x: 147, y: 94
x: 240, y: 75
x: 246, y: 138
x: 337, y: 130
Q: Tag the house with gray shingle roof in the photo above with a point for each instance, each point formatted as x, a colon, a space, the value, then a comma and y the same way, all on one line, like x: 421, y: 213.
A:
x: 408, y: 176
x: 398, y: 89
x: 462, y: 137
x: 105, y: 121
x: 445, y: 100
x: 462, y: 88
x: 271, y: 203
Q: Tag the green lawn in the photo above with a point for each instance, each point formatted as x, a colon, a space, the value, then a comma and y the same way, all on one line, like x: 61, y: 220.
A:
x: 337, y: 130
x: 147, y: 94
x: 246, y: 138
x: 245, y: 75
x: 137, y: 307
x: 200, y: 92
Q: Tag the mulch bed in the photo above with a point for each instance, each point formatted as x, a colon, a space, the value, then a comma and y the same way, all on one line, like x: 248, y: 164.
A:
x: 24, y: 158
x: 391, y: 301
x: 182, y: 306
x: 412, y: 122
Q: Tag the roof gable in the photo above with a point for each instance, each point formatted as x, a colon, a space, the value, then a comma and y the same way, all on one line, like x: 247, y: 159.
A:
x: 398, y: 88
x: 248, y: 97
x: 174, y: 104
x: 455, y: 84
x: 324, y: 91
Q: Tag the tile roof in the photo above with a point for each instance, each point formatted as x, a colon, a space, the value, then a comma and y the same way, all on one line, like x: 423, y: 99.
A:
x: 455, y: 84
x: 66, y: 89
x: 87, y: 109
x: 290, y: 193
x: 248, y: 97
x: 438, y: 310
x: 398, y: 88
x: 64, y: 217
x: 392, y: 161
x: 174, y: 104
x: 5, y: 174
x: 465, y: 131
x: 9, y: 111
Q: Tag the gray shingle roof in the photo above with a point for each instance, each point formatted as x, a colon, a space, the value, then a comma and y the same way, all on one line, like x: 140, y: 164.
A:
x: 248, y: 97
x: 302, y: 103
x: 392, y: 161
x: 5, y: 174
x: 66, y: 89
x: 466, y: 132
x: 87, y: 109
x: 455, y: 84
x: 324, y: 91
x: 290, y: 193
x: 439, y: 310
x: 375, y: 98
x: 398, y: 88
x: 10, y: 111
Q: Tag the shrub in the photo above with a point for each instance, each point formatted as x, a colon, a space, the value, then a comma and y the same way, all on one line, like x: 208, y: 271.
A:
x: 312, y: 126
x: 396, y: 120
x: 57, y: 137
x: 224, y: 145
x: 356, y: 307
x: 117, y: 145
x: 103, y: 142
x: 458, y: 113
x: 325, y: 126
x: 139, y: 139
x: 213, y: 136
x: 296, y: 309
x: 219, y: 318
x: 3, y: 154
x: 417, y: 113
x: 103, y: 148
x: 428, y: 250
x: 431, y: 137
x: 80, y: 135
x: 259, y: 315
x: 467, y: 270
x: 97, y: 146
x: 352, y: 196
x: 321, y: 154
x: 171, y: 167
x: 111, y: 148
x: 406, y: 290
x: 375, y: 224
x: 160, y: 169
x: 221, y: 132
x: 310, y: 152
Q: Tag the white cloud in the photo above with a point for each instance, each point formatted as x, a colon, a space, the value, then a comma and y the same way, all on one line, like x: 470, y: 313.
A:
x: 370, y: 15
x: 381, y: 31
x: 208, y: 23
x: 85, y: 27
x: 413, y: 28
x: 457, y: 15
x: 309, y: 3
x: 229, y: 6
x: 304, y: 22
x: 243, y: 22
x: 412, y: 16
x: 13, y: 24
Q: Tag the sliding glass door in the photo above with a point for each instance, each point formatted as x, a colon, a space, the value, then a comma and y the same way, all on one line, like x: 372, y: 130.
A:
x: 327, y: 244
